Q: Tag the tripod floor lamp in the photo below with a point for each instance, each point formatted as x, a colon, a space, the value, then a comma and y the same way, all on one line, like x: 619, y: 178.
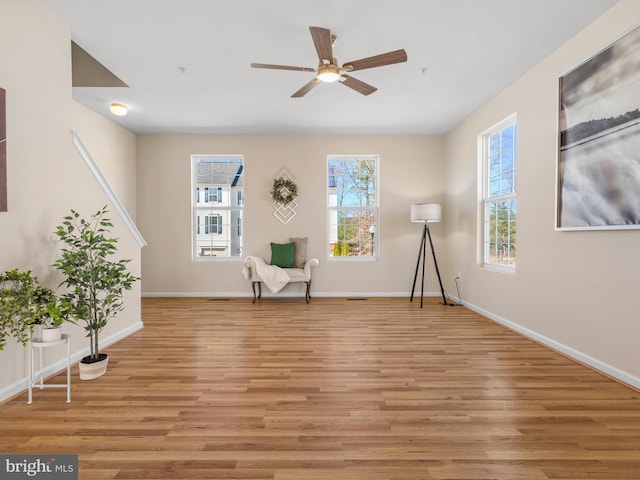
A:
x: 426, y: 213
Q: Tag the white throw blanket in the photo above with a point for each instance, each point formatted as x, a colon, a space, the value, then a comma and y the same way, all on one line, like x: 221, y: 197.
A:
x: 274, y: 277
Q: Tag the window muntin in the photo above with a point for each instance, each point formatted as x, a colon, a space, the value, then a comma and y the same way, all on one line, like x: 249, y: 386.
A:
x: 352, y: 199
x: 499, y: 199
x: 213, y: 194
x: 213, y: 224
x: 218, y: 206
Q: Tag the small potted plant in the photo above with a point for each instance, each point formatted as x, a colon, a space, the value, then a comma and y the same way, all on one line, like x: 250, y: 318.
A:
x: 51, y: 313
x: 95, y: 283
x: 24, y: 304
x: 17, y: 306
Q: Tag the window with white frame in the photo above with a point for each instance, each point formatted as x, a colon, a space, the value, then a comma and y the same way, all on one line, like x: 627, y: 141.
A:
x: 217, y: 205
x: 213, y: 224
x: 352, y: 202
x: 499, y: 195
x: 213, y: 194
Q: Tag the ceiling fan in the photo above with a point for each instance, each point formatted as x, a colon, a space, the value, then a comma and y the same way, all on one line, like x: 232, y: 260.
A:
x: 328, y: 69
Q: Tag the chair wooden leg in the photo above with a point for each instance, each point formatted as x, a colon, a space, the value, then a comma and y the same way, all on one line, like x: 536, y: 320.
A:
x: 253, y: 287
x: 308, y: 294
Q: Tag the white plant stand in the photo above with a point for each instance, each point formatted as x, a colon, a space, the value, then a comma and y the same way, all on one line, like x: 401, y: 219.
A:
x: 38, y: 344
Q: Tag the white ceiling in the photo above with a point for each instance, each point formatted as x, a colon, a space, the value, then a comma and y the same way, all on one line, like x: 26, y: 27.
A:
x: 460, y: 54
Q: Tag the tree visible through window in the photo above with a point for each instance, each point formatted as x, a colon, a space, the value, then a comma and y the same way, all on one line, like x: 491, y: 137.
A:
x: 218, y: 199
x: 352, y: 190
x: 499, y: 194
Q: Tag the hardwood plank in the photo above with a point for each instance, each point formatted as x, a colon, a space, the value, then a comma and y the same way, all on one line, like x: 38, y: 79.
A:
x: 334, y: 389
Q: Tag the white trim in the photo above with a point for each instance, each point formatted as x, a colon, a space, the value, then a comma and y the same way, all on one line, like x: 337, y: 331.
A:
x: 577, y: 355
x: 222, y: 210
x: 374, y: 295
x: 52, y: 369
x: 113, y: 198
x: 594, y: 363
x: 196, y: 294
x: 285, y: 294
x: 331, y: 208
x: 484, y: 200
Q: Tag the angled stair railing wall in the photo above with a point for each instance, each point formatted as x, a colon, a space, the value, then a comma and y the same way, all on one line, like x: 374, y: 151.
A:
x: 113, y: 198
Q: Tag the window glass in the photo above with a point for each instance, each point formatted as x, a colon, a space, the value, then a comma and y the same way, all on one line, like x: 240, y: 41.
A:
x: 352, y: 199
x: 499, y: 195
x: 218, y: 201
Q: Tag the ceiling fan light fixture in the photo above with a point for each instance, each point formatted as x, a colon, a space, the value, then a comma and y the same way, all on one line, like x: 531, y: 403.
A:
x: 118, y: 109
x: 328, y: 73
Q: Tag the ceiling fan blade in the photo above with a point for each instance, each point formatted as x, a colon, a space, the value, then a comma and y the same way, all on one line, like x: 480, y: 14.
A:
x: 357, y: 85
x: 282, y: 67
x: 306, y: 89
x: 322, y: 41
x: 397, y: 56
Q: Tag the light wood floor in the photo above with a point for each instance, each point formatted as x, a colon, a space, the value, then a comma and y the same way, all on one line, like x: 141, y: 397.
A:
x: 338, y: 389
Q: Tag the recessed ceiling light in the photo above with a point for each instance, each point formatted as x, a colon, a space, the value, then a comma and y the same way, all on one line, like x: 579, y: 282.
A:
x: 118, y: 109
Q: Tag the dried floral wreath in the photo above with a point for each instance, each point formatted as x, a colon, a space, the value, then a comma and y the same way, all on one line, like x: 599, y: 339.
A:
x: 284, y: 191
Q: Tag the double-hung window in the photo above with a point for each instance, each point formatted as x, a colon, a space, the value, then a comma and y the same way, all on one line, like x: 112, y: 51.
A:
x: 217, y: 205
x: 213, y: 194
x: 499, y: 200
x: 352, y: 200
x: 213, y: 224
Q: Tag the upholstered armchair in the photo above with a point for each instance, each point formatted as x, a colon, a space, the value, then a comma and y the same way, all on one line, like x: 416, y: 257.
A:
x: 288, y: 265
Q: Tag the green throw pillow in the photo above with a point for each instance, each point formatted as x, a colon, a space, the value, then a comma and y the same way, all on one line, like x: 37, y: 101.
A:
x: 283, y: 254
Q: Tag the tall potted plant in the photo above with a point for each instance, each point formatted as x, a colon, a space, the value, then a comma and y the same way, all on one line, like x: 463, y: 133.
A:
x: 95, y: 283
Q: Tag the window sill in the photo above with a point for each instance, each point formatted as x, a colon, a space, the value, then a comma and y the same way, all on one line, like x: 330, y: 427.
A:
x: 499, y: 268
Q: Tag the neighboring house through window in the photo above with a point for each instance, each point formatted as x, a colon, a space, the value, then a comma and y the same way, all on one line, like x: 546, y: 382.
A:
x: 213, y: 224
x: 218, y: 205
x: 352, y: 200
x: 499, y: 199
x: 213, y: 194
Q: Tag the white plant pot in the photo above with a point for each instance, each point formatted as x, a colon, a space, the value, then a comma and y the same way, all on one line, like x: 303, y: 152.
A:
x: 89, y: 371
x: 51, y: 334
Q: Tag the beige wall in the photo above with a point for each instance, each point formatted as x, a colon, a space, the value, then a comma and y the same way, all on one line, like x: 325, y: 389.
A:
x: 46, y: 176
x: 572, y: 290
x: 113, y: 148
x: 411, y: 170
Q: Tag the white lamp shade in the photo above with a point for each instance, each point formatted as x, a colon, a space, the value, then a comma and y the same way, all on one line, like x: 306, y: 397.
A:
x: 426, y: 212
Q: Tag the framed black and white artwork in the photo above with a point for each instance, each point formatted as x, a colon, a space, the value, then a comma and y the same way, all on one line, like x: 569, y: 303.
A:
x: 598, y: 167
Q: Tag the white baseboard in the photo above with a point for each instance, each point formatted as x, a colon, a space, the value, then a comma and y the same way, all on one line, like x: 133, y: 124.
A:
x: 266, y: 293
x: 195, y: 294
x: 61, y: 365
x: 581, y: 357
x: 594, y: 363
